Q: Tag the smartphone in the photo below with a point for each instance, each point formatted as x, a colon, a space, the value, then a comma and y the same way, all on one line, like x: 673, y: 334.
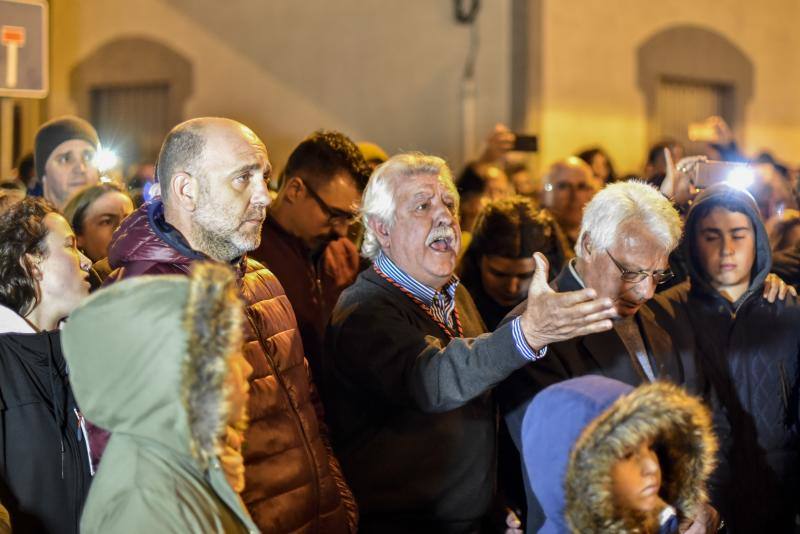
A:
x: 708, y: 173
x: 525, y: 143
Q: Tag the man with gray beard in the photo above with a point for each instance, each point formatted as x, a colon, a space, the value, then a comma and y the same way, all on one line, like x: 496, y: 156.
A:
x: 409, y: 368
x: 212, y: 174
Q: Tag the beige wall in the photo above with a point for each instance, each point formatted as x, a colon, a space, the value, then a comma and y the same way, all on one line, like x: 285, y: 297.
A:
x: 387, y: 71
x: 589, y: 80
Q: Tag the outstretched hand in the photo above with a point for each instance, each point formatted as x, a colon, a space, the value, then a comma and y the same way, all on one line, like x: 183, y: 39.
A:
x: 550, y: 317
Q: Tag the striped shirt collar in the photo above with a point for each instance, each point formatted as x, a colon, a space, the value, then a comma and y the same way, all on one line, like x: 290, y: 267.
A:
x: 423, y: 292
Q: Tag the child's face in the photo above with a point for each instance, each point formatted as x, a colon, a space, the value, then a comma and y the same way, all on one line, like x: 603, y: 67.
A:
x: 726, y: 247
x: 636, y: 480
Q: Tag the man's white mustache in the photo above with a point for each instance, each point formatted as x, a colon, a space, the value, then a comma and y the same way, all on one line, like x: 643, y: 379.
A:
x: 441, y: 233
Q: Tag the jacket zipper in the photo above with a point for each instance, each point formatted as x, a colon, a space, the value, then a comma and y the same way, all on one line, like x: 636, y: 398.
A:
x: 306, y: 441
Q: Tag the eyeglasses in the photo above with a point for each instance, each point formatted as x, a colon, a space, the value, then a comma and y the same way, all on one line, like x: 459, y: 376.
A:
x: 335, y: 215
x: 634, y: 277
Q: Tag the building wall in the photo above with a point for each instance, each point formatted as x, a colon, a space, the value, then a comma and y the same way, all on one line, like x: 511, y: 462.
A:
x: 385, y: 71
x: 589, y: 90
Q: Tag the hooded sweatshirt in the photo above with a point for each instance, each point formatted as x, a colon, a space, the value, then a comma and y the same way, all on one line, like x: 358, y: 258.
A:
x: 44, y: 461
x: 749, y: 353
x: 149, y: 357
x: 574, y: 431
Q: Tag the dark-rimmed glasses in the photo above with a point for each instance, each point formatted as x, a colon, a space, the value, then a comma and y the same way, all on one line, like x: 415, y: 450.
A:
x: 334, y: 215
x: 634, y: 277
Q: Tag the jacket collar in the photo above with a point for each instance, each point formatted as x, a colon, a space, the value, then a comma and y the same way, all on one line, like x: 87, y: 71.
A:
x: 146, y: 236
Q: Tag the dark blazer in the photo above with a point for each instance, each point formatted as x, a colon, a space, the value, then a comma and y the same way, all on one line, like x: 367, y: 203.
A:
x: 597, y: 354
x: 412, y: 421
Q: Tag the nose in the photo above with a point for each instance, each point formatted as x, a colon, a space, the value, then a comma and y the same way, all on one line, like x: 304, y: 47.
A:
x: 340, y: 227
x: 727, y: 246
x: 645, y: 289
x: 442, y: 215
x: 649, y: 463
x: 260, y: 196
x: 513, y: 285
x: 86, y: 263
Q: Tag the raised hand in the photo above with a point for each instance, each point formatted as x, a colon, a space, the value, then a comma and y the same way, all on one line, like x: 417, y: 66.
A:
x: 551, y: 317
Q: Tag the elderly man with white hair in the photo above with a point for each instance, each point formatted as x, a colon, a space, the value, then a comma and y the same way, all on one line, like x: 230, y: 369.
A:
x: 627, y: 233
x: 409, y: 367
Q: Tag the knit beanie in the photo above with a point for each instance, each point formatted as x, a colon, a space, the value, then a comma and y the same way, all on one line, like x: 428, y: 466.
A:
x: 54, y: 132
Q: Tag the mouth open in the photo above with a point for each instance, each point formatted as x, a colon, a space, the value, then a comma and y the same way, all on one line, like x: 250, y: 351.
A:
x: 442, y: 244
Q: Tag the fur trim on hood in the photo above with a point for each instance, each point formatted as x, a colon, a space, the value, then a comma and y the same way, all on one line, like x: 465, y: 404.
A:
x: 680, y: 427
x: 213, y: 320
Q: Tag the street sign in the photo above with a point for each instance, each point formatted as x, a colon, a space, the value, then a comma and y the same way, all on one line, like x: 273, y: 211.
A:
x: 24, y: 48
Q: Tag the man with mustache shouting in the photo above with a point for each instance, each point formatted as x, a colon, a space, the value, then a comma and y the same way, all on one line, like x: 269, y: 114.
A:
x: 409, y: 368
x: 213, y: 174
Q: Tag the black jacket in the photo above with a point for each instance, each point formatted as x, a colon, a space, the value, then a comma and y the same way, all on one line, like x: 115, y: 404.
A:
x: 786, y: 264
x: 601, y: 354
x: 749, y: 350
x: 412, y: 422
x: 44, y: 474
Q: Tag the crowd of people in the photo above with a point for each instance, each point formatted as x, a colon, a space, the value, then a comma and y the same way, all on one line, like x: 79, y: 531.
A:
x: 368, y: 342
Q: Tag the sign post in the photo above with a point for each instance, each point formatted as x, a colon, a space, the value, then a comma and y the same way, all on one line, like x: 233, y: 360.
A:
x: 24, y: 66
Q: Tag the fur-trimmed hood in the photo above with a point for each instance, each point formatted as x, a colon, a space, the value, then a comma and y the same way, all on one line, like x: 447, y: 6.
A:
x: 574, y: 431
x: 149, y: 357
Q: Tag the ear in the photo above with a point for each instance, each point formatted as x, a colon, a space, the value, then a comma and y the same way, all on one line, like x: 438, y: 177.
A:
x: 381, y: 232
x: 293, y: 188
x: 30, y: 263
x: 586, y: 244
x: 183, y: 191
x: 80, y: 241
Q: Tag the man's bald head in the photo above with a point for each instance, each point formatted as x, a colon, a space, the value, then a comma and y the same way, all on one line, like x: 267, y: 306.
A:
x: 569, y: 185
x: 183, y: 149
x: 571, y: 165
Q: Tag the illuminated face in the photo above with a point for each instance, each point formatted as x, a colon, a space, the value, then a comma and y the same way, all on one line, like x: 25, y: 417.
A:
x: 636, y: 480
x: 100, y: 220
x: 233, y: 195
x: 636, y: 249
x: 64, y: 271
x: 567, y: 194
x: 506, y: 280
x: 425, y: 238
x: 726, y: 247
x: 68, y: 168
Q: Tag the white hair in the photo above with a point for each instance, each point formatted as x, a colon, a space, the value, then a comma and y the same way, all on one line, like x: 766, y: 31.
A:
x: 378, y: 202
x: 629, y: 203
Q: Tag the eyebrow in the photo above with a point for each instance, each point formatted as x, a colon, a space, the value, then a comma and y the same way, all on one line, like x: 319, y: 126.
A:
x: 249, y: 168
x: 503, y: 273
x: 714, y: 229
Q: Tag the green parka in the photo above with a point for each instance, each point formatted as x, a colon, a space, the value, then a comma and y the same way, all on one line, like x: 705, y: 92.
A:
x: 148, y: 360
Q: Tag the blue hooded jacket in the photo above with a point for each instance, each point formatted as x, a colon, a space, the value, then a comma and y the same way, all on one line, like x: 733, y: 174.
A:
x: 574, y: 431
x: 551, y: 426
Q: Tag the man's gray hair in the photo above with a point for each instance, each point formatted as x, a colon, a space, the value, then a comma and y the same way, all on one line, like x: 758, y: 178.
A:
x: 629, y: 203
x: 379, y: 204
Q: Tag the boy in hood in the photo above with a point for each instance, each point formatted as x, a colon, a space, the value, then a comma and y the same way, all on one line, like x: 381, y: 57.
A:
x: 157, y: 361
x: 617, y: 459
x: 749, y: 352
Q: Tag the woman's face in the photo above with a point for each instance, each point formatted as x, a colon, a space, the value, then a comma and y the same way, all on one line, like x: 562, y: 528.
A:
x: 506, y: 280
x: 101, y: 218
x: 63, y: 273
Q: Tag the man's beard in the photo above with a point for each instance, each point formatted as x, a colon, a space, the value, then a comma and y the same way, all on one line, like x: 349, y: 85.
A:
x: 219, y: 236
